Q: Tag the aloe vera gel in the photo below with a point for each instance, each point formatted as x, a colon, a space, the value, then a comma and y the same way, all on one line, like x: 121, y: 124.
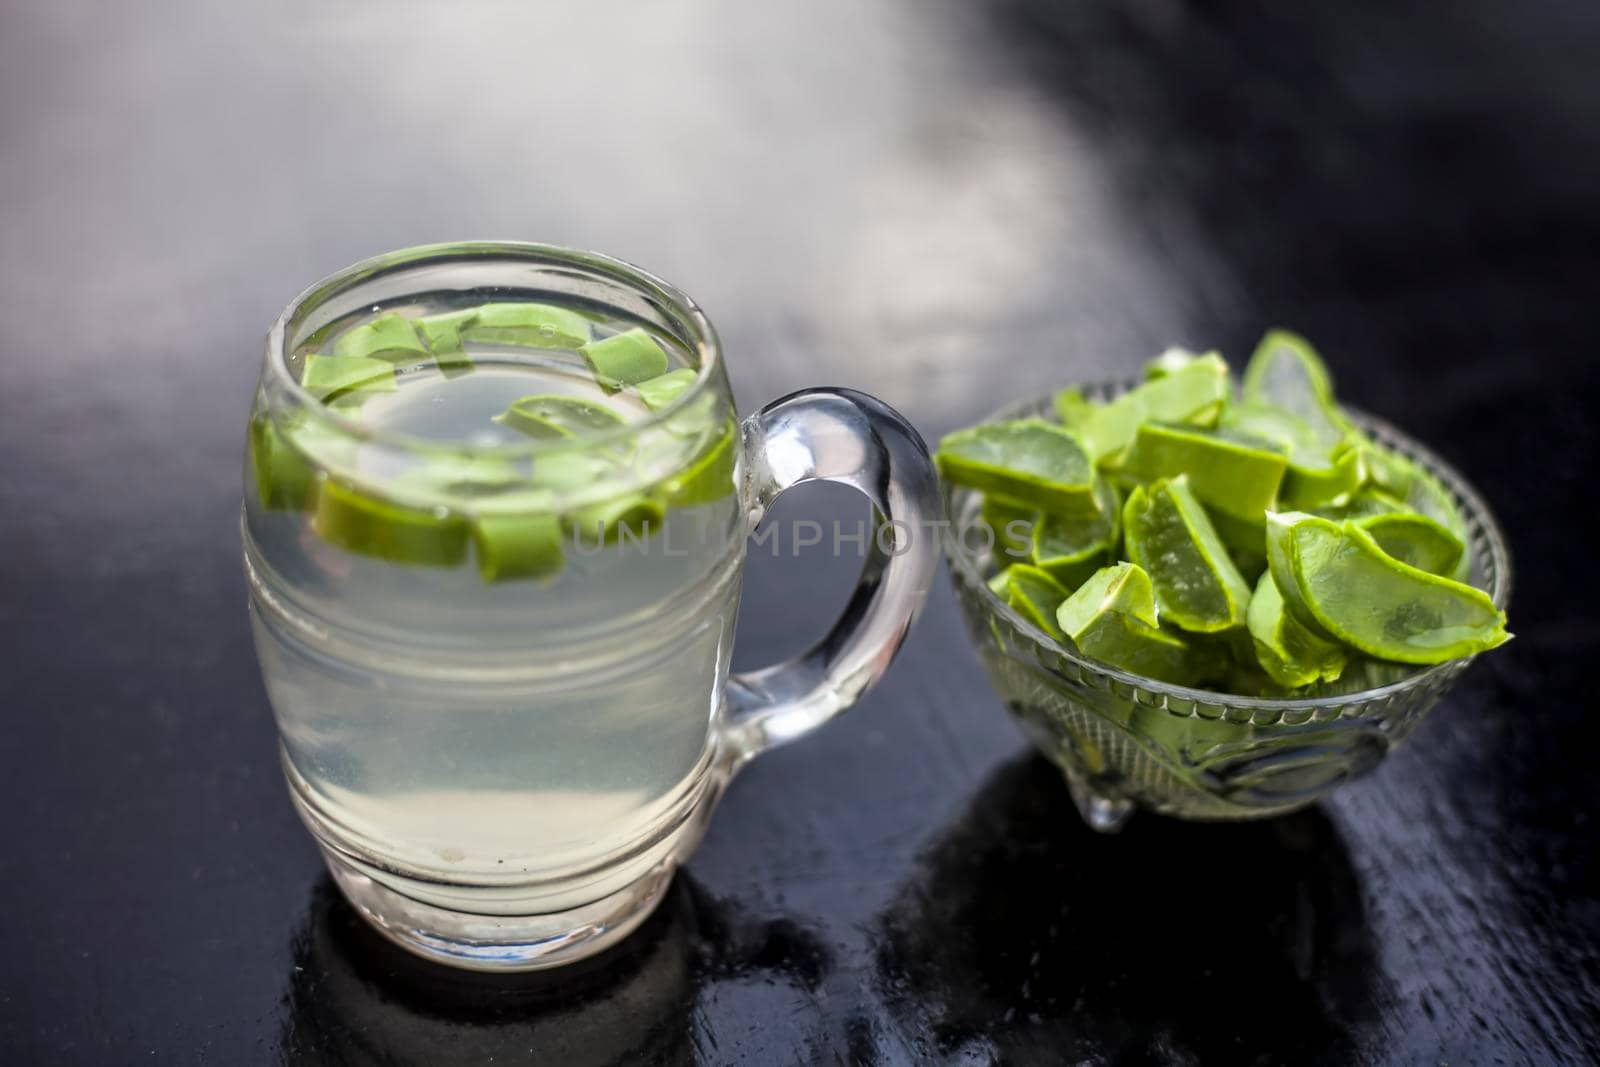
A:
x: 511, y: 520
x: 1277, y: 548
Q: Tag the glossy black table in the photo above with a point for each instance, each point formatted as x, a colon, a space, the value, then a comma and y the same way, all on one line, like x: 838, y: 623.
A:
x: 949, y: 205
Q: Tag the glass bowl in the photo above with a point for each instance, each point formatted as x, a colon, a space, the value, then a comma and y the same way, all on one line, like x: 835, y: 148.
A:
x: 1125, y: 741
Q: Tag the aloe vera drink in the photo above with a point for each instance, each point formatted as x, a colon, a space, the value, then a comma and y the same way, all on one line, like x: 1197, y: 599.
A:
x: 454, y: 583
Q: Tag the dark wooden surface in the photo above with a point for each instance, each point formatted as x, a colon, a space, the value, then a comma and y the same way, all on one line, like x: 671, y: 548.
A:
x: 949, y: 205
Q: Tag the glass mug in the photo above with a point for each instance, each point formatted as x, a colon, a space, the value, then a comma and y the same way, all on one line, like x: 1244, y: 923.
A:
x: 503, y: 764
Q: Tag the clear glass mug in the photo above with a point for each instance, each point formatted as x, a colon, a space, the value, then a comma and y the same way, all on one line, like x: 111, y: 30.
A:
x: 504, y: 764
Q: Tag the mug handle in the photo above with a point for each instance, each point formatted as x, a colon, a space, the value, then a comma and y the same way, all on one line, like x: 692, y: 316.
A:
x: 838, y: 435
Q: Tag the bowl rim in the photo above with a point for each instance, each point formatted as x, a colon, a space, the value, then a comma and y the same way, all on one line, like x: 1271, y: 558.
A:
x: 1465, y: 496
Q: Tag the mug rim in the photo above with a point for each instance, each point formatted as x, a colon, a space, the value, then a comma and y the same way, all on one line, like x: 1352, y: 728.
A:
x: 676, y: 304
x: 965, y: 569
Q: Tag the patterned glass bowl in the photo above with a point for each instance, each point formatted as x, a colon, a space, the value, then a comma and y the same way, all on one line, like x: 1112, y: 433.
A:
x: 1126, y: 741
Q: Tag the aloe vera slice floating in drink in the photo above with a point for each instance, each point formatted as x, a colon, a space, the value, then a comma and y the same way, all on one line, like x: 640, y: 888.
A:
x: 1168, y: 533
x: 1072, y: 547
x: 441, y: 334
x: 1291, y: 653
x: 512, y: 545
x: 709, y: 476
x: 1337, y: 579
x: 663, y: 389
x: 1029, y: 461
x: 330, y: 377
x: 1031, y: 593
x: 391, y: 337
x: 360, y: 522
x: 553, y: 416
x: 626, y: 358
x: 526, y: 325
x: 1112, y: 618
x: 631, y: 517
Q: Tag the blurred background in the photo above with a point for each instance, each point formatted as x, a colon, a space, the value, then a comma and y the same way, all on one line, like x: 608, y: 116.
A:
x: 949, y: 205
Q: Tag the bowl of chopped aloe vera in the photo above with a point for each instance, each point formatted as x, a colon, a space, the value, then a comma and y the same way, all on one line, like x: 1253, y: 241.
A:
x: 1216, y: 598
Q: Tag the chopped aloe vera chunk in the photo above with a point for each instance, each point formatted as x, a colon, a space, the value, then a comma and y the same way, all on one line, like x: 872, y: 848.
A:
x: 1365, y: 502
x: 626, y: 358
x: 710, y: 476
x: 1112, y: 618
x: 284, y: 479
x: 1029, y: 461
x: 1074, y: 410
x: 1416, y: 540
x: 527, y: 325
x: 1331, y: 485
x: 1011, y: 526
x: 1070, y: 548
x: 1193, y: 394
x: 465, y: 475
x: 1031, y: 593
x: 1229, y: 473
x: 663, y: 389
x: 357, y: 522
x: 1286, y: 372
x: 330, y: 377
x: 1121, y: 587
x: 514, y: 545
x: 1291, y: 653
x: 1170, y: 362
x: 632, y: 517
x: 1168, y: 533
x: 553, y: 416
x: 1305, y: 450
x: 1420, y: 492
x: 392, y: 337
x: 1337, y: 578
x: 442, y: 335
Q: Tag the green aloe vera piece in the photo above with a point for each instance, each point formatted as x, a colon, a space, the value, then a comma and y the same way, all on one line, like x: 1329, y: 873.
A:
x: 663, y: 389
x: 442, y: 335
x: 467, y: 475
x: 1168, y: 533
x: 1029, y: 461
x: 1074, y: 410
x: 1193, y: 394
x: 1170, y: 362
x: 1291, y: 653
x: 627, y: 358
x: 1338, y: 580
x: 1070, y: 548
x: 1286, y: 372
x: 1230, y: 473
x: 364, y: 524
x: 391, y: 337
x: 1012, y: 526
x: 1333, y: 485
x: 1124, y: 588
x: 512, y: 545
x: 632, y: 517
x: 1365, y: 502
x: 331, y: 377
x: 284, y: 479
x: 554, y: 416
x: 1112, y: 618
x: 527, y: 326
x: 711, y: 476
x: 1416, y: 540
x: 1031, y: 593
